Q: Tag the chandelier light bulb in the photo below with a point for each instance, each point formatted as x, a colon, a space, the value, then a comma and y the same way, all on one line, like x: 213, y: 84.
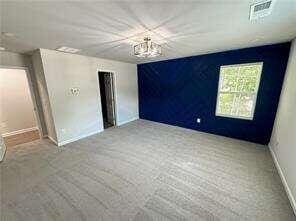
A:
x: 147, y: 49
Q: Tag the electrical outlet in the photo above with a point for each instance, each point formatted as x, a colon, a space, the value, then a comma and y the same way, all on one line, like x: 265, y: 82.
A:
x: 198, y: 120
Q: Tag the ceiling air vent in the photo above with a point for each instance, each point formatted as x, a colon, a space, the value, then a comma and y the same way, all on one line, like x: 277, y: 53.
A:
x: 67, y: 49
x: 260, y: 9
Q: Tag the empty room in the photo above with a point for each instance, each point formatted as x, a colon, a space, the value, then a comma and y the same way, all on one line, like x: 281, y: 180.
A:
x: 148, y: 110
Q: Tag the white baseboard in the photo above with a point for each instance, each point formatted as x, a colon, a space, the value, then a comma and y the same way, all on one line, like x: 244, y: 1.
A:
x: 127, y: 121
x: 92, y: 133
x: 19, y: 131
x: 77, y: 138
x: 53, y: 140
x: 283, y: 178
x: 2, y: 152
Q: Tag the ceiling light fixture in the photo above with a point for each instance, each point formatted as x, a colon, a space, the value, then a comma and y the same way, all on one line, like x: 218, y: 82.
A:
x: 2, y: 48
x: 147, y: 49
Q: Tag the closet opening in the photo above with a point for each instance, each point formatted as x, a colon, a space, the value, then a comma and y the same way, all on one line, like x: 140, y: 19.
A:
x: 106, y: 81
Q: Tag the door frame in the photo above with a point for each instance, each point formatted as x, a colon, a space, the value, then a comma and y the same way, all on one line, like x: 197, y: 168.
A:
x: 32, y: 94
x: 114, y: 91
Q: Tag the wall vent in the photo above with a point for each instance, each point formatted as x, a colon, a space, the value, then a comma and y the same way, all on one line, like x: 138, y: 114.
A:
x: 261, y: 9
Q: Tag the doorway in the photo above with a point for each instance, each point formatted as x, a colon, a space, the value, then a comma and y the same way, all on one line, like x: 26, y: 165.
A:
x: 106, y: 81
x: 18, y: 117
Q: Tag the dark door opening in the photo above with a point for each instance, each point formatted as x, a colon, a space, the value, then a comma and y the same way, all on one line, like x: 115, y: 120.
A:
x: 107, y: 98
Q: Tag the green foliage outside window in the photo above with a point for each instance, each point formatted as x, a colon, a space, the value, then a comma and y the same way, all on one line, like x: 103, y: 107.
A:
x: 238, y: 90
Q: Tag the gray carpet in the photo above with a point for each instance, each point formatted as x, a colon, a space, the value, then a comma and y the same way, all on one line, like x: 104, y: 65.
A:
x: 143, y: 171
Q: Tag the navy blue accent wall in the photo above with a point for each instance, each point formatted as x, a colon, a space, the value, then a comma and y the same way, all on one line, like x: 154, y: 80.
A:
x: 178, y: 91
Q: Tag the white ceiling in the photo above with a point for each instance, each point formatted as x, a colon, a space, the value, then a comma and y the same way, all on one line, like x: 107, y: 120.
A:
x: 109, y: 29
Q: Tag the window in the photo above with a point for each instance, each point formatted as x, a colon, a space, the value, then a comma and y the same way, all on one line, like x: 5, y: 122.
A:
x: 238, y: 87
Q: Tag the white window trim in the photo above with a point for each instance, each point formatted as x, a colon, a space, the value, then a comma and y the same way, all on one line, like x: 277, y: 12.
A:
x: 255, y: 93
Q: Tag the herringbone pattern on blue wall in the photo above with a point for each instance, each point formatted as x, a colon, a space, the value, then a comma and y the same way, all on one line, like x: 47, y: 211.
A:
x: 178, y: 91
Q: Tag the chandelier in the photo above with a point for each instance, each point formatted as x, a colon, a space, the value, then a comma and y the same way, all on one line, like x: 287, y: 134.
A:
x: 147, y: 49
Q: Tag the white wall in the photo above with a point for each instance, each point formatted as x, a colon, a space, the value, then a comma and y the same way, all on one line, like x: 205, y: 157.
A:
x: 15, y: 60
x: 10, y: 59
x: 43, y: 95
x: 79, y: 116
x: 283, y: 140
x: 126, y: 88
x: 17, y: 110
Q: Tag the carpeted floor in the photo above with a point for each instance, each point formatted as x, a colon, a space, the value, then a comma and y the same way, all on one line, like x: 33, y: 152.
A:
x: 142, y: 171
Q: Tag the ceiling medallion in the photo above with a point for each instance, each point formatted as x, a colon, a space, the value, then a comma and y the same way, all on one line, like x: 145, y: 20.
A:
x: 147, y: 49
